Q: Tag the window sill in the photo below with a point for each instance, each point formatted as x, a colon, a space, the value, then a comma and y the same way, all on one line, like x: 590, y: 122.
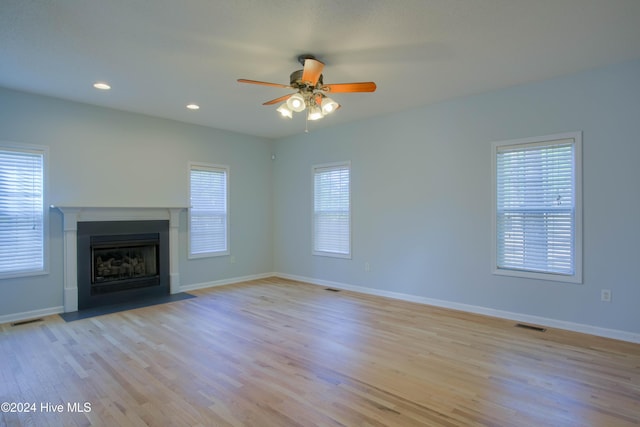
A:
x: 331, y: 255
x: 552, y: 277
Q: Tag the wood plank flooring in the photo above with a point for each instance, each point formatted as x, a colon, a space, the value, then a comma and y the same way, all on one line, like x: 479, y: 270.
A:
x: 275, y: 352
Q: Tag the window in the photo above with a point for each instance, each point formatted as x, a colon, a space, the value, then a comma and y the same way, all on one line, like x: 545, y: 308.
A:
x: 332, y: 210
x: 537, y: 202
x: 208, y: 214
x: 23, y: 219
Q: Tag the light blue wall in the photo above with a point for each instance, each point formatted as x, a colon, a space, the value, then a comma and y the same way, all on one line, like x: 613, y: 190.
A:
x: 421, y: 183
x: 421, y: 198
x: 103, y: 157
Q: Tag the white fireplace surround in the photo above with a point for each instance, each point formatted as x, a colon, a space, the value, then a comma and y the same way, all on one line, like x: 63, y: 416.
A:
x: 73, y: 214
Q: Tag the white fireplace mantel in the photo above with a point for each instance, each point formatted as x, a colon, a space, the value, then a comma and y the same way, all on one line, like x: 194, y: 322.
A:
x: 74, y: 214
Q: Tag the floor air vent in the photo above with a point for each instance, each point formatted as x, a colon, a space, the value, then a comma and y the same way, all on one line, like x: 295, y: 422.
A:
x: 332, y: 290
x: 531, y: 327
x: 26, y: 322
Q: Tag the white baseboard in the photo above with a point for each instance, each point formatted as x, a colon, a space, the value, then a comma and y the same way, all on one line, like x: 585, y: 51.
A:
x: 519, y: 317
x: 223, y: 282
x: 28, y: 315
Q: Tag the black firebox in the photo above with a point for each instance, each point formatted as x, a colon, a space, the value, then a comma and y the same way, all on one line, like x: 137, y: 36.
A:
x: 121, y: 261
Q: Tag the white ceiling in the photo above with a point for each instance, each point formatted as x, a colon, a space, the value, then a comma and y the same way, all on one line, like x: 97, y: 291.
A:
x: 159, y: 55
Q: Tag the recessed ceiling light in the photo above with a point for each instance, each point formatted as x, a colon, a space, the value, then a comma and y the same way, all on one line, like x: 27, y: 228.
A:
x: 101, y: 86
x: 193, y: 106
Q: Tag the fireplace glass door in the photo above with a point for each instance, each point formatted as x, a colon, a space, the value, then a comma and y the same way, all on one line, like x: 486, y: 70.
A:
x: 123, y: 265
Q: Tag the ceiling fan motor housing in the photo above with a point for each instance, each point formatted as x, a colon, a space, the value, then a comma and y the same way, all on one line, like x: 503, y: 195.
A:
x: 295, y: 80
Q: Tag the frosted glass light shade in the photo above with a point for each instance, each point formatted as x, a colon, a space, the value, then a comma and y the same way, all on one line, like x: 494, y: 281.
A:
x: 296, y: 103
x: 315, y: 113
x: 284, y: 110
x: 329, y: 105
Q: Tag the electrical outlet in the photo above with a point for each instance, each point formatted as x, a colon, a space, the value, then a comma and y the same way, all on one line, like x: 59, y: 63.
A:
x: 367, y: 267
x: 232, y: 259
x: 605, y: 295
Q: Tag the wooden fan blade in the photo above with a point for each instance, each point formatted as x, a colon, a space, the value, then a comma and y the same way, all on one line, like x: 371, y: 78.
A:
x: 311, y: 71
x: 275, y: 101
x: 350, y: 87
x: 256, y: 82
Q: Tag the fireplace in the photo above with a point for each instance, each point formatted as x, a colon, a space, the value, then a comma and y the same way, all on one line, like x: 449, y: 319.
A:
x: 121, y: 261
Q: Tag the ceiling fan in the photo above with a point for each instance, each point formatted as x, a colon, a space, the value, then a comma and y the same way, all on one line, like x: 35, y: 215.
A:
x: 310, y: 90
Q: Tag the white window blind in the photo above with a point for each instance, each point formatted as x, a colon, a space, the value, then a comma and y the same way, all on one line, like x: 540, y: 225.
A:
x: 536, y: 207
x: 332, y: 210
x: 22, y: 227
x: 208, y: 217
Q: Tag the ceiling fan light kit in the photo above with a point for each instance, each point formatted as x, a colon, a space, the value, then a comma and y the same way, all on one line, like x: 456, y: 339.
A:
x: 311, y: 91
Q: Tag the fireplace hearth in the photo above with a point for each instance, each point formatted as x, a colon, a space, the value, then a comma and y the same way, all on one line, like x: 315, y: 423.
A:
x: 121, y: 261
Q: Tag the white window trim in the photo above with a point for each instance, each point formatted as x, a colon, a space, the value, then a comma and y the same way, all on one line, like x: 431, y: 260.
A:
x: 577, y: 276
x: 44, y: 150
x: 313, y: 237
x: 213, y: 167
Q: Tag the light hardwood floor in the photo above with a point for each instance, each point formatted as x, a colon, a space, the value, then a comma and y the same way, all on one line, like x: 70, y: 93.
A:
x: 279, y: 353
